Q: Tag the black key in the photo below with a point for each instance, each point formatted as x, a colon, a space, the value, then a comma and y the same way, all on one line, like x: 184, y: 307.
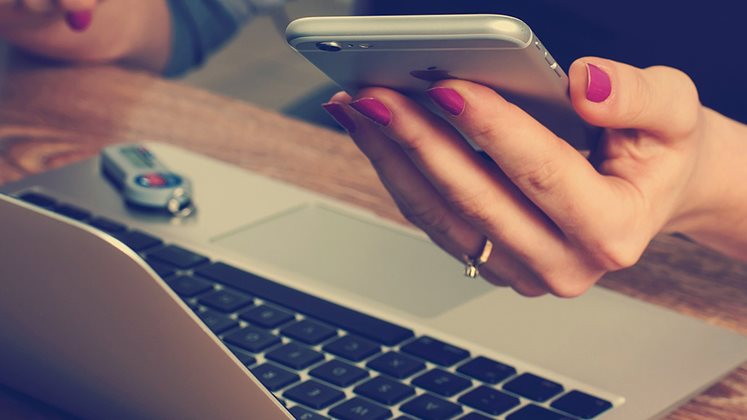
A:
x: 139, y: 241
x: 535, y: 412
x: 252, y: 339
x: 339, y: 373
x: 75, y: 213
x: 314, y: 394
x: 178, y: 257
x: 245, y: 358
x: 38, y: 199
x: 489, y: 400
x: 309, y: 332
x: 107, y: 225
x: 435, y: 351
x: 301, y: 413
x: 442, y: 382
x: 347, y: 319
x: 274, y: 377
x: 359, y: 409
x: 225, y: 300
x: 189, y: 286
x: 266, y: 317
x: 533, y: 387
x: 353, y: 348
x: 486, y: 370
x: 581, y: 404
x: 396, y: 364
x: 430, y: 407
x: 217, y: 323
x: 385, y: 390
x: 162, y: 270
x: 474, y: 416
x: 295, y: 356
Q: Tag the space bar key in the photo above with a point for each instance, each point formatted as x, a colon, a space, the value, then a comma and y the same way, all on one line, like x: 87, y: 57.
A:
x: 353, y: 321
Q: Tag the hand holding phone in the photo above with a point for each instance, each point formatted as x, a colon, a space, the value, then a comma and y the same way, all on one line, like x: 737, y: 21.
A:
x: 558, y: 219
x: 409, y: 53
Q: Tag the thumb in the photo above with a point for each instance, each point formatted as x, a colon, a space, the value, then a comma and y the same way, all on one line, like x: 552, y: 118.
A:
x: 660, y: 100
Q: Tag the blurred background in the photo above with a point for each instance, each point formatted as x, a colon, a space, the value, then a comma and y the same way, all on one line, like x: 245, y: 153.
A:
x: 258, y: 66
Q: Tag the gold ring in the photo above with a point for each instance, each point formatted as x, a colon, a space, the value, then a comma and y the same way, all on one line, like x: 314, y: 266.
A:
x: 472, y: 264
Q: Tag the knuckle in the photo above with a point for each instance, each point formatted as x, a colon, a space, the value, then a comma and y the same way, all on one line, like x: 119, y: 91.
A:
x: 570, y: 288
x: 476, y: 206
x: 527, y: 289
x: 541, y: 176
x: 680, y: 81
x: 684, y: 112
x: 564, y: 284
x: 493, y: 278
x: 484, y: 133
x: 688, y: 95
x: 379, y: 161
x: 411, y: 143
x: 615, y: 255
x: 429, y: 219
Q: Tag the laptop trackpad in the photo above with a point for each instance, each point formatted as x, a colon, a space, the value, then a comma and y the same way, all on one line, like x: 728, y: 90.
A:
x: 337, y: 248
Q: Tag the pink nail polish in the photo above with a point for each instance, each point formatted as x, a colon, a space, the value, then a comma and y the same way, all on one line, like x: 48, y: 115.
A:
x: 598, y: 85
x: 337, y: 112
x: 448, y: 99
x: 374, y: 110
x: 79, y: 21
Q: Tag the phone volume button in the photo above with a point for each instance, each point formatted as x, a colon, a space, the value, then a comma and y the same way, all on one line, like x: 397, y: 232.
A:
x: 549, y: 59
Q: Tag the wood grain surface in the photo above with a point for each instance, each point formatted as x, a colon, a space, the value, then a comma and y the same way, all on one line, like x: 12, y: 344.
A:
x: 54, y: 116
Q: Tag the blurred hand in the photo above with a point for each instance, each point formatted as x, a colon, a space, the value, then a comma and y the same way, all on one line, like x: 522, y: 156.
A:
x: 21, y: 14
x: 558, y: 220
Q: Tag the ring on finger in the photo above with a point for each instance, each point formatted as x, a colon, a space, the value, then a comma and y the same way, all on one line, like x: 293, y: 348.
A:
x: 472, y: 264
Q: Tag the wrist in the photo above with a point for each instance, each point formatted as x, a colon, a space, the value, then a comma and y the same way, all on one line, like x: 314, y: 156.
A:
x: 713, y: 212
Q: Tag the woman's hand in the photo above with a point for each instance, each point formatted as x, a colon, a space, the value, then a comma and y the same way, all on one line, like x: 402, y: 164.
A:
x: 558, y: 221
x: 22, y: 13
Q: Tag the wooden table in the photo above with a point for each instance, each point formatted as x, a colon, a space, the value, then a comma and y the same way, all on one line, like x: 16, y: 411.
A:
x: 54, y: 116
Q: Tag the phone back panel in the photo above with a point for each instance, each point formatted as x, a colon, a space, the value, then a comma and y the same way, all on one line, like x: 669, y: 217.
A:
x: 496, y: 51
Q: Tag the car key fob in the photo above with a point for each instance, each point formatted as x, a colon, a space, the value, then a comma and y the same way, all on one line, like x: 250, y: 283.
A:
x: 146, y: 182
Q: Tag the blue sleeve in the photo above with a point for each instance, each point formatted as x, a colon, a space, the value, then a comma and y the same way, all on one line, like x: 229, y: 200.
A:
x: 199, y: 27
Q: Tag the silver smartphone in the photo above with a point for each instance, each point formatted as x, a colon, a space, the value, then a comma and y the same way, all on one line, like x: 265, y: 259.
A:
x: 409, y: 53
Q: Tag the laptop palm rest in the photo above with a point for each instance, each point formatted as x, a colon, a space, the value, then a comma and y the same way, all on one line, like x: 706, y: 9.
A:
x: 332, y: 247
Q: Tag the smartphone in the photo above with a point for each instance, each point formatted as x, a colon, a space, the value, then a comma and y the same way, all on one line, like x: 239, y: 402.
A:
x: 410, y: 53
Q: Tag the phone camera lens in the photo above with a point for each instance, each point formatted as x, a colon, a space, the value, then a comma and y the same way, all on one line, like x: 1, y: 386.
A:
x: 329, y: 46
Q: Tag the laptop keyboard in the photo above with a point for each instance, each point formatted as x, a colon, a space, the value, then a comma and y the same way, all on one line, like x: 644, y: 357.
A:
x: 323, y: 360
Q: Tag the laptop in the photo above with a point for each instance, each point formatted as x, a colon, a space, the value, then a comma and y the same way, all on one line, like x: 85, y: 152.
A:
x: 274, y: 302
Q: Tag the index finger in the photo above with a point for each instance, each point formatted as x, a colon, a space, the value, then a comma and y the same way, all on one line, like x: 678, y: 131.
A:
x: 553, y: 175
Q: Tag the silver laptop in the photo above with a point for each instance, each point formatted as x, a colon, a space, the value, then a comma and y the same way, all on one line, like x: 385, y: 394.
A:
x: 273, y: 302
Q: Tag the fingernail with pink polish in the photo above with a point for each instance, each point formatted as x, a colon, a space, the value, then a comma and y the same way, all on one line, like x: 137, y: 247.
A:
x: 79, y: 21
x: 374, y: 110
x: 598, y: 85
x: 448, y: 99
x: 337, y: 111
